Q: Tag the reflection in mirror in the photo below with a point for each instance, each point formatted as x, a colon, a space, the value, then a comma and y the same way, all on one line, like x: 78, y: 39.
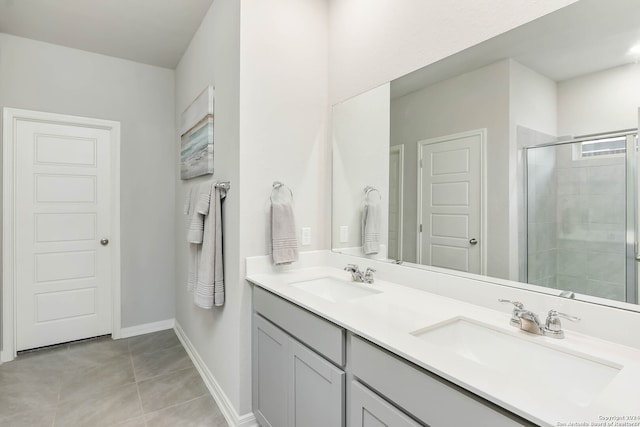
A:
x: 513, y: 159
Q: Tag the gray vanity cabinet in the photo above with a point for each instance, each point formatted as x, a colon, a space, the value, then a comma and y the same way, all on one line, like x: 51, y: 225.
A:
x: 299, y: 364
x: 367, y: 409
x: 293, y: 385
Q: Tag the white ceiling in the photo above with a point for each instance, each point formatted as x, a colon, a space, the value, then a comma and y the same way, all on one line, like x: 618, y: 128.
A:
x: 155, y: 32
x: 585, y: 37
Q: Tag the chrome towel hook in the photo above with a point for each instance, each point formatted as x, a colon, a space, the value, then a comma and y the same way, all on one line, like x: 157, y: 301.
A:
x: 368, y: 190
x: 277, y: 186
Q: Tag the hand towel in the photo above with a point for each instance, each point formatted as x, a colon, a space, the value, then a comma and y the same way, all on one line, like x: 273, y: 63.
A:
x: 209, y: 289
x: 371, y: 229
x: 198, y: 213
x: 284, y: 243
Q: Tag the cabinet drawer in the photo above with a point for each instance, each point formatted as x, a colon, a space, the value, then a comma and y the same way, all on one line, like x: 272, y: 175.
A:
x: 315, y: 332
x: 429, y: 398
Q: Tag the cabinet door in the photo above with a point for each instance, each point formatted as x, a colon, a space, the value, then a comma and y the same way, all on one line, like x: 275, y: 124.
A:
x: 316, y: 390
x: 271, y: 349
x: 367, y: 409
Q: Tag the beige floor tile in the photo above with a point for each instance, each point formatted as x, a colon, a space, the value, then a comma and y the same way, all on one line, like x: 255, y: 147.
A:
x: 171, y: 389
x: 105, y: 382
x: 89, y: 381
x: 150, y: 343
x: 147, y: 365
x: 17, y: 398
x: 201, y: 412
x: 102, y: 409
x: 135, y: 422
x: 38, y: 418
x: 96, y: 352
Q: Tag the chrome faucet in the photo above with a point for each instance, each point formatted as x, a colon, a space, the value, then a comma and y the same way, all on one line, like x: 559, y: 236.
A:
x: 359, y: 276
x: 530, y: 322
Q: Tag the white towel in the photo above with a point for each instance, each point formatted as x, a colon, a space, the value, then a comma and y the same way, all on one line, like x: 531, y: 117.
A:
x: 209, y: 290
x: 371, y: 229
x: 284, y: 243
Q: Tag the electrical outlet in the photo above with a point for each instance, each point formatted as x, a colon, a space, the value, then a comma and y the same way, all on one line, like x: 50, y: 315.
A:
x: 306, y: 235
x: 344, y: 233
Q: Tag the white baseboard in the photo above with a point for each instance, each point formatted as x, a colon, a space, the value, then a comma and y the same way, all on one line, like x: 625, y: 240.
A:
x: 227, y: 409
x: 146, y: 328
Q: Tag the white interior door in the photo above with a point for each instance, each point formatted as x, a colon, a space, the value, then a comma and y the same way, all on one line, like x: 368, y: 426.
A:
x: 396, y: 174
x: 63, y: 199
x: 449, y: 208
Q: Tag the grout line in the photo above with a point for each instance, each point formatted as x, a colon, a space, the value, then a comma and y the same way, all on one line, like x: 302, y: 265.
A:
x: 178, y: 404
x: 165, y: 373
x: 135, y: 379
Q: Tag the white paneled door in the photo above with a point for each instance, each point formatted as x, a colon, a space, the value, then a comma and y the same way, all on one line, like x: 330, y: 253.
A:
x: 450, y: 201
x: 63, y: 200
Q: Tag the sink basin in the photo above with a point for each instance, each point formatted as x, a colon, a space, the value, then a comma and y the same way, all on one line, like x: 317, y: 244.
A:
x: 532, y: 367
x: 335, y: 290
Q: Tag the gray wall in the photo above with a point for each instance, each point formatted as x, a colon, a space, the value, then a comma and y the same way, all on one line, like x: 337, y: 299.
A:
x: 46, y: 77
x: 212, y: 58
x: 268, y: 62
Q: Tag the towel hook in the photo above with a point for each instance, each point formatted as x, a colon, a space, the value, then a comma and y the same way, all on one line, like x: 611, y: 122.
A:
x: 223, y: 185
x: 369, y: 189
x: 277, y: 186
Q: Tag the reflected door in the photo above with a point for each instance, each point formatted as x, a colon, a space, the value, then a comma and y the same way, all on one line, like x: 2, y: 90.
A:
x: 62, y: 211
x: 449, y: 207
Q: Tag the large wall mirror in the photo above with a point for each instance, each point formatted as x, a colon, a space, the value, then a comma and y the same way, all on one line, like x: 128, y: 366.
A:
x: 514, y: 159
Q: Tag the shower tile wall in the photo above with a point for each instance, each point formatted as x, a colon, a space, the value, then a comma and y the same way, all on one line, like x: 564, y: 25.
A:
x: 591, y: 224
x: 542, y: 207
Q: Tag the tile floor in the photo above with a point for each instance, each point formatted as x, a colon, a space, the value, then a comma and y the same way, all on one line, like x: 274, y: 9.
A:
x: 143, y: 381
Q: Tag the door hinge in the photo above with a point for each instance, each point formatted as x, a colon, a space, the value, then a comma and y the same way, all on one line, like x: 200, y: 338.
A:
x: 421, y: 163
x: 421, y: 228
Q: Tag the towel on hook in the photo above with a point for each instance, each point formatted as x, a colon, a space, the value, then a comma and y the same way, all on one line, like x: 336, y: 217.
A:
x: 195, y: 231
x: 209, y: 289
x: 284, y: 243
x: 371, y: 229
x: 198, y: 211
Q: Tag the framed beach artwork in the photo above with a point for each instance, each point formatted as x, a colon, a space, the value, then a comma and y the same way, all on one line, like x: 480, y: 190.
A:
x: 196, y: 130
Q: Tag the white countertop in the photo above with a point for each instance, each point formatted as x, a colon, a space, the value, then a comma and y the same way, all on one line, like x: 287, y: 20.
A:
x: 387, y: 319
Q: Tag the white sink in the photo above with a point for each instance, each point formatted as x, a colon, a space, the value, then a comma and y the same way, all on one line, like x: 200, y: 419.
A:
x: 531, y: 367
x: 335, y: 290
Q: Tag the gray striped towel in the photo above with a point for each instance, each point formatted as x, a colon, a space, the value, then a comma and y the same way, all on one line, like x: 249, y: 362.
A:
x: 371, y: 229
x: 209, y: 290
x: 284, y: 244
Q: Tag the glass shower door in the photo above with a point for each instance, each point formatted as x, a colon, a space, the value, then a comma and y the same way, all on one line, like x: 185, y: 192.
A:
x: 581, y: 216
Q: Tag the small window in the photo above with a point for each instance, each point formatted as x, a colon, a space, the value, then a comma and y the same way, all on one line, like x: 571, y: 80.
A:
x: 602, y: 147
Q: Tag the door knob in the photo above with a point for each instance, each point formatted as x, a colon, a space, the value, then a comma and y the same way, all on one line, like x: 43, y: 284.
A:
x: 104, y: 242
x: 473, y: 241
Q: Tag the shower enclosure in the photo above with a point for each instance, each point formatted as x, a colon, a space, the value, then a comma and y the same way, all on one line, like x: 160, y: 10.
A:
x: 581, y: 228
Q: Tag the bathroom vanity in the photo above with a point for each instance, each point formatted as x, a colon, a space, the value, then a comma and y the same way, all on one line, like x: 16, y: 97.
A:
x: 386, y: 354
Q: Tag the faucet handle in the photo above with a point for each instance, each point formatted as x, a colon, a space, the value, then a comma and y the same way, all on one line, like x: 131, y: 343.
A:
x: 368, y: 275
x: 553, y: 326
x: 554, y: 313
x: 515, y: 319
x: 518, y: 304
x: 351, y: 267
